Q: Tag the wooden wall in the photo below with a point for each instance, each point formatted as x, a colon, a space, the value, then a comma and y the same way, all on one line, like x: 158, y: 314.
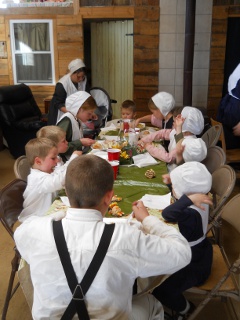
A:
x: 68, y: 44
x: 221, y: 12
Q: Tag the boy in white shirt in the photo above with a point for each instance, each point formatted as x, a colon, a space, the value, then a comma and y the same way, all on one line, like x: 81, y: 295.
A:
x: 43, y: 182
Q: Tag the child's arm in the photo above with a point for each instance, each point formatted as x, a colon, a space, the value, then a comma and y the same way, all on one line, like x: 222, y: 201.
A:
x: 146, y: 118
x: 160, y: 153
x: 158, y: 135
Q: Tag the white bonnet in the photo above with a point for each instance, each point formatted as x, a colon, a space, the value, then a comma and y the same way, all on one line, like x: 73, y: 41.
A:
x: 191, y: 177
x: 74, y: 65
x: 75, y: 101
x: 194, y: 121
x: 164, y: 102
x: 195, y: 149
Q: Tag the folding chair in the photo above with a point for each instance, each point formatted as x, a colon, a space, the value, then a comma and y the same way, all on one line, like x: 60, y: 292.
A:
x: 232, y: 155
x: 211, y: 136
x: 223, y: 182
x: 21, y: 168
x: 216, y: 158
x: 11, y: 204
x: 224, y: 280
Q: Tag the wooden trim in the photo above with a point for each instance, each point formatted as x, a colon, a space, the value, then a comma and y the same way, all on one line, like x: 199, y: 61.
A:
x: 38, y: 11
x: 118, y: 12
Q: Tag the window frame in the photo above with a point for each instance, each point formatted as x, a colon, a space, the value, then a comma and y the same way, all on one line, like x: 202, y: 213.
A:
x: 15, y: 52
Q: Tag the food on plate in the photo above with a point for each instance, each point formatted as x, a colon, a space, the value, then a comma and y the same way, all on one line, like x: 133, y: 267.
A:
x: 116, y: 198
x: 145, y: 132
x: 106, y: 144
x: 141, y: 125
x: 115, y: 210
x: 150, y: 174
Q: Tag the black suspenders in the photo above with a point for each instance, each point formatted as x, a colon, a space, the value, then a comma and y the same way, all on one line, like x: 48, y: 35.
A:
x: 77, y: 304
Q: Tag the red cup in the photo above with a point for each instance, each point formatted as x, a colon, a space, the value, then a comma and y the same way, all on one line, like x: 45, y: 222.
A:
x: 113, y: 154
x: 115, y: 166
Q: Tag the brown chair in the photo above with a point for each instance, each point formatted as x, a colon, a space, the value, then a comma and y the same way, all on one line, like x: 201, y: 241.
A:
x: 223, y: 182
x: 232, y: 155
x: 216, y: 158
x: 224, y: 279
x: 211, y: 136
x: 21, y: 168
x: 11, y: 205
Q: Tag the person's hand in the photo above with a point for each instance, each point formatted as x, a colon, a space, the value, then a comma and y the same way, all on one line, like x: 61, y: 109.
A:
x: 166, y: 178
x: 137, y: 121
x: 77, y: 152
x: 236, y: 129
x: 87, y: 142
x: 139, y: 211
x: 199, y: 198
x: 178, y: 122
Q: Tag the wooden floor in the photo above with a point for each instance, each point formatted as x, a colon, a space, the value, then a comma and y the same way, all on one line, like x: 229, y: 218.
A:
x: 19, y: 310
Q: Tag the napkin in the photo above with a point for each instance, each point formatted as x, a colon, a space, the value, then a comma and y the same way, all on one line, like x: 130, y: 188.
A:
x: 65, y: 201
x: 111, y: 127
x: 99, y: 153
x: 144, y: 160
x: 156, y: 202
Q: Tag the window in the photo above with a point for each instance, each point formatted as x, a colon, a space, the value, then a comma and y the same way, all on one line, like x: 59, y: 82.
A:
x: 32, y: 51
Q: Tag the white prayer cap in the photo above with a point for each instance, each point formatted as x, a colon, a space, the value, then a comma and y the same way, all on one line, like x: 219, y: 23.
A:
x: 74, y: 65
x: 195, y: 149
x: 191, y: 177
x: 164, y: 102
x: 75, y: 101
x: 194, y: 121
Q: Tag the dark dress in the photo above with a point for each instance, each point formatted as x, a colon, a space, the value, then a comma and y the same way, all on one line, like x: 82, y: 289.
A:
x: 169, y: 125
x: 189, y: 220
x: 229, y: 116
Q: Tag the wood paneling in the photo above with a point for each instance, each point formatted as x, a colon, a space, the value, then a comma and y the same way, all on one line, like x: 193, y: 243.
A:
x: 68, y: 42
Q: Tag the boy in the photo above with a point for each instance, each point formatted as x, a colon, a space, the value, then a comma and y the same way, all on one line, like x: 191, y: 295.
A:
x: 128, y: 109
x: 43, y: 182
x: 131, y: 252
x: 57, y: 135
x: 190, y: 184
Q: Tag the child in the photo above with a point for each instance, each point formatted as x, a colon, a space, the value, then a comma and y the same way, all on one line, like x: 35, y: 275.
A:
x: 43, y: 182
x: 161, y: 105
x: 80, y: 107
x: 128, y: 109
x: 131, y: 253
x: 187, y: 125
x: 57, y: 135
x: 190, y: 184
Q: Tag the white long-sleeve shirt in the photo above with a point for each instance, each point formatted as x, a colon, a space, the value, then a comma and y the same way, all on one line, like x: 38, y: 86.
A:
x: 131, y: 254
x: 42, y: 189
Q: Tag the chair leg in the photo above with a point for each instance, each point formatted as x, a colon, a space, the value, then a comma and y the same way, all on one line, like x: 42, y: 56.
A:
x: 10, y: 291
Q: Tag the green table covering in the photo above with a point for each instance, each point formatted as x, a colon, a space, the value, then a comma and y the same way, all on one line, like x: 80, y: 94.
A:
x: 131, y: 184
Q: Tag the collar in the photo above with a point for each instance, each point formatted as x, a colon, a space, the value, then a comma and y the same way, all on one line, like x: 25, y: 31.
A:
x: 84, y: 214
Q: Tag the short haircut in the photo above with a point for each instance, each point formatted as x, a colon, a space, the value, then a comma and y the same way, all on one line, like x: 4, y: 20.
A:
x: 89, y: 104
x: 129, y: 104
x: 151, y: 105
x: 53, y: 133
x: 38, y: 147
x: 88, y: 179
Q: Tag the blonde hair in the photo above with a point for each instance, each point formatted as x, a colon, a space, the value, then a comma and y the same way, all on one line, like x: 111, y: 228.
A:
x: 99, y: 176
x: 38, y: 147
x: 151, y: 105
x: 53, y: 133
x: 129, y: 104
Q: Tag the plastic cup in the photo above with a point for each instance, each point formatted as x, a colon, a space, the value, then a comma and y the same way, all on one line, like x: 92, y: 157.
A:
x: 133, y: 138
x: 113, y: 154
x: 115, y: 166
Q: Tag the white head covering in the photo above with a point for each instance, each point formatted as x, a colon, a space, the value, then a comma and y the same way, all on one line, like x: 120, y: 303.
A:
x: 194, y: 121
x: 74, y: 65
x: 191, y: 177
x: 233, y: 80
x: 75, y: 101
x: 164, y: 102
x: 195, y: 149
